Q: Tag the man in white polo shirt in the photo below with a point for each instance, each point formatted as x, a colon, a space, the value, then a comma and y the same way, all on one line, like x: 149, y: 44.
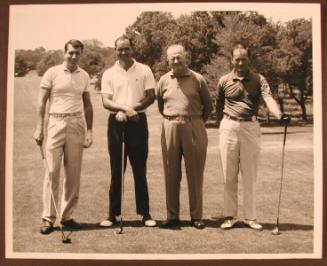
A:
x: 66, y: 86
x: 127, y: 90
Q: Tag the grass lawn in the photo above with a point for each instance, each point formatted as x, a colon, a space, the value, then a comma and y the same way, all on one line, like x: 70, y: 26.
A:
x: 296, y: 215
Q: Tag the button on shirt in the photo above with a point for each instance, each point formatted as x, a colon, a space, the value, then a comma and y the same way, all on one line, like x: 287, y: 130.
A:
x: 127, y: 87
x: 187, y: 95
x: 239, y: 97
x: 66, y: 88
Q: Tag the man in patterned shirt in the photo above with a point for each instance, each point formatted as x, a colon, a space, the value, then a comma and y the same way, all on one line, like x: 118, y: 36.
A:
x: 237, y: 104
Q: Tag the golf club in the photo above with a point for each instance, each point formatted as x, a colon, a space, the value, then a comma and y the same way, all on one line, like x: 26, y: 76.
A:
x: 122, y: 181
x: 276, y: 229
x: 65, y: 239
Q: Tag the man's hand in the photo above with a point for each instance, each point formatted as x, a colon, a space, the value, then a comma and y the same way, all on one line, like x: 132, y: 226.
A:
x: 88, y: 139
x: 132, y: 115
x: 38, y: 137
x: 285, y: 119
x: 121, y: 117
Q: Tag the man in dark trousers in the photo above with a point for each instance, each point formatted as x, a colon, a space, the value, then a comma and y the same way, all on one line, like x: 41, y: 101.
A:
x: 127, y: 90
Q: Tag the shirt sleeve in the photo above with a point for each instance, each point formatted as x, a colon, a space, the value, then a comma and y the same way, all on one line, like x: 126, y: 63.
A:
x: 220, y: 100
x: 267, y: 97
x: 106, y: 84
x: 46, y: 81
x: 149, y: 82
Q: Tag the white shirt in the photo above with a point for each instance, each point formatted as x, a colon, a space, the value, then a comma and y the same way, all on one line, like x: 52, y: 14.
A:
x: 66, y: 88
x: 127, y: 87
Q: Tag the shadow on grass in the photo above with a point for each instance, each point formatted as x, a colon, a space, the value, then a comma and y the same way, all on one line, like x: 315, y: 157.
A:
x: 215, y: 222
x: 281, y: 133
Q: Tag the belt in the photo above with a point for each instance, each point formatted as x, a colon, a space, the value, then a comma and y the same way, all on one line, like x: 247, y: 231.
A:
x: 181, y: 118
x: 242, y: 119
x: 62, y: 115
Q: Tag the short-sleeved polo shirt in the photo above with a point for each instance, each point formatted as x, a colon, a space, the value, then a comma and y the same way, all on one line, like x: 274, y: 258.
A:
x: 240, y: 97
x: 127, y: 87
x: 66, y: 88
x: 187, y: 95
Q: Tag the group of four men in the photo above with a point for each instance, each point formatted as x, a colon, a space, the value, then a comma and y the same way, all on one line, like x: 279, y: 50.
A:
x: 128, y: 88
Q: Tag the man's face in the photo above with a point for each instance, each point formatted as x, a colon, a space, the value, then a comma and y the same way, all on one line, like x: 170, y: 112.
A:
x: 240, y: 60
x: 124, y: 50
x: 177, y: 59
x: 72, y: 55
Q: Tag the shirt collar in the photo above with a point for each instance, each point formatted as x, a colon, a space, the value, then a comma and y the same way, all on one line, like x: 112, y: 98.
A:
x: 246, y: 77
x: 186, y: 74
x: 67, y: 70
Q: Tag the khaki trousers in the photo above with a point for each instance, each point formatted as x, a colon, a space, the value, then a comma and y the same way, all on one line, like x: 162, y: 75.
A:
x: 188, y: 139
x: 239, y: 150
x: 65, y: 140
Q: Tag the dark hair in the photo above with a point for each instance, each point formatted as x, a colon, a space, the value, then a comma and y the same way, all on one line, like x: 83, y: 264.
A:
x: 124, y: 38
x: 75, y: 44
x: 240, y: 46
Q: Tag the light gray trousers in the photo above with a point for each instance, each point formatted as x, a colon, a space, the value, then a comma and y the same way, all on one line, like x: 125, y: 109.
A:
x: 65, y: 140
x: 186, y: 139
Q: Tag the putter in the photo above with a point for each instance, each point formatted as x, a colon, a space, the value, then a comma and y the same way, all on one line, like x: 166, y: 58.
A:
x: 122, y: 182
x: 276, y: 229
x: 65, y: 239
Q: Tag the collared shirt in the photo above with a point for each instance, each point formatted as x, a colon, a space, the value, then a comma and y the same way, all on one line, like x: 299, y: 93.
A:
x: 66, y: 88
x: 187, y: 95
x: 127, y: 87
x: 239, y: 97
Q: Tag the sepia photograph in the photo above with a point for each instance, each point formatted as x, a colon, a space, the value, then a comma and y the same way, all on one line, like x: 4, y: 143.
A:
x: 164, y: 131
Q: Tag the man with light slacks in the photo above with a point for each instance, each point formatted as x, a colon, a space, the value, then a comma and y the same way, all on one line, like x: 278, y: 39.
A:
x: 66, y: 86
x: 237, y: 104
x: 185, y: 103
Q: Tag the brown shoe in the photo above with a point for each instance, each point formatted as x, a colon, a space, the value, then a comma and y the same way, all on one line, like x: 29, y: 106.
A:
x: 198, y: 223
x: 46, y: 228
x: 71, y: 223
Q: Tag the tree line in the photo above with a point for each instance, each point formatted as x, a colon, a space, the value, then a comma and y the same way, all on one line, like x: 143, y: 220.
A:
x: 281, y: 52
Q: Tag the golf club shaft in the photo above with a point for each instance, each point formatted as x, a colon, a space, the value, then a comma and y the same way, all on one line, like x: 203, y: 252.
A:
x: 281, y: 174
x: 122, y: 179
x: 51, y: 191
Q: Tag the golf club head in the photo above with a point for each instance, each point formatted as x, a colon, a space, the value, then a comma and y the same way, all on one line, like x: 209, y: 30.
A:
x: 120, y: 232
x: 66, y: 241
x: 276, y: 231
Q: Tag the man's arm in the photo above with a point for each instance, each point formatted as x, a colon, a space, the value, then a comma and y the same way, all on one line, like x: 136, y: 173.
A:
x: 44, y: 95
x: 272, y: 105
x: 206, y: 100
x: 148, y: 99
x: 88, y: 112
x: 112, y: 106
x: 220, y: 102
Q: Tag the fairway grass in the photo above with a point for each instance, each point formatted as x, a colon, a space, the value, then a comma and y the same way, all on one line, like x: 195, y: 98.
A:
x: 296, y: 213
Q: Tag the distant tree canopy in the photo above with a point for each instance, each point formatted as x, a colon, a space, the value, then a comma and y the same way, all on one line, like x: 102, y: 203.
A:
x: 281, y: 52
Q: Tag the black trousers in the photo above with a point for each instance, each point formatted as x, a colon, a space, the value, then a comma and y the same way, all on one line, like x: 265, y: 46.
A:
x: 136, y: 149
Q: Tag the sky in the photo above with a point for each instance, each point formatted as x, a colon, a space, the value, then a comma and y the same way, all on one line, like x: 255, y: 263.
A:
x: 50, y: 26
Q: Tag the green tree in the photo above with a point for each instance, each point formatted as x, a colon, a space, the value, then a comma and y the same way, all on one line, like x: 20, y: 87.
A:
x: 293, y: 60
x: 51, y: 58
x: 151, y: 33
x: 21, y: 67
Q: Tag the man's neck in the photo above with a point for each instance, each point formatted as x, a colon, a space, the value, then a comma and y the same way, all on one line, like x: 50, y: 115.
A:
x: 241, y: 74
x: 126, y: 64
x: 71, y: 67
x: 180, y: 72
